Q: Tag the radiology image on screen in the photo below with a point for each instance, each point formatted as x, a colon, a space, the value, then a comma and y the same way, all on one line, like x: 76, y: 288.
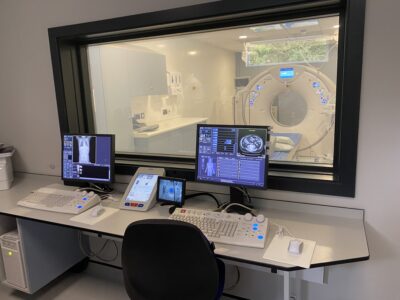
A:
x: 84, y: 149
x: 208, y: 165
x: 251, y: 142
x: 171, y: 190
x: 205, y: 135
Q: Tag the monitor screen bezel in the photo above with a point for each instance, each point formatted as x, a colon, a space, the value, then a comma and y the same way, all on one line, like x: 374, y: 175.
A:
x: 168, y: 201
x: 112, y: 161
x: 267, y: 129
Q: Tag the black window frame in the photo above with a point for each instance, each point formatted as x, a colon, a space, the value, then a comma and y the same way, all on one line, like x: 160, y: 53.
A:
x: 68, y: 45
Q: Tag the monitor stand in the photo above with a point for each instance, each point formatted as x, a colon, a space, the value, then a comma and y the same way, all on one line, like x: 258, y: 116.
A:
x: 80, y: 184
x: 172, y: 207
x: 237, y: 196
x: 105, y: 188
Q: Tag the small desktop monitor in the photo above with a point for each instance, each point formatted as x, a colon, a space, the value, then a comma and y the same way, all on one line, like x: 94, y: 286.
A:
x: 88, y: 157
x: 171, y: 190
x: 232, y: 155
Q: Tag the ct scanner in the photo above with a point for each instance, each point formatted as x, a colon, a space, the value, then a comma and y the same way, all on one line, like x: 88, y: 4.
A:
x: 298, y: 101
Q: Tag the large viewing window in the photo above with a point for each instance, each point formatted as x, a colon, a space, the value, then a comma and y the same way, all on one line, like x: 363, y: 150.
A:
x: 151, y: 78
x: 152, y: 92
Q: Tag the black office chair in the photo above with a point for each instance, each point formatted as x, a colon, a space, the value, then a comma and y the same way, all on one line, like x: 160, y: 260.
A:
x: 167, y: 259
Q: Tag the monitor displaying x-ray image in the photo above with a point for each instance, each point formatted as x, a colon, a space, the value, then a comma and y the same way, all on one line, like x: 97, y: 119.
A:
x: 171, y: 190
x: 88, y: 158
x: 232, y: 155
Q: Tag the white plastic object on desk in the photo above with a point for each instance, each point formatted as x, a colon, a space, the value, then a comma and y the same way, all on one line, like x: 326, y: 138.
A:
x: 60, y: 200
x: 6, y: 170
x: 225, y: 228
x: 295, y: 247
x: 260, y: 218
x: 97, y: 211
x: 248, y: 217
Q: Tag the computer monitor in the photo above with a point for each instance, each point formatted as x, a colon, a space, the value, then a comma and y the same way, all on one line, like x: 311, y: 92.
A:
x: 171, y: 190
x: 232, y: 155
x: 88, y: 158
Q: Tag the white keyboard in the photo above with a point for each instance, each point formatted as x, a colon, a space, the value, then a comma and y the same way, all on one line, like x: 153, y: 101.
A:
x: 63, y: 201
x: 226, y: 228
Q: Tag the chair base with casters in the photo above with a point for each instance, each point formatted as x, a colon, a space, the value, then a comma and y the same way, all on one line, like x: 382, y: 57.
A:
x: 168, y: 259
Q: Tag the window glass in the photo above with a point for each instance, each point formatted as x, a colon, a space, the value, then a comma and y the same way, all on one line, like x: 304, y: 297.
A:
x: 299, y: 50
x: 151, y: 93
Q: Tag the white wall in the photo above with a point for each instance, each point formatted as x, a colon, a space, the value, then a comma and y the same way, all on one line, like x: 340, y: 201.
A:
x: 207, y: 78
x: 115, y: 82
x: 120, y: 86
x: 28, y: 119
x: 28, y: 110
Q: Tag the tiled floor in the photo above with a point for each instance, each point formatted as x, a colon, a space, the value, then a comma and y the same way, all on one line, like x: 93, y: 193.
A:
x: 96, y: 283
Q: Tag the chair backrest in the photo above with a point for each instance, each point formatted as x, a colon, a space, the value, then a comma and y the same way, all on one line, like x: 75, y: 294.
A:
x: 167, y: 259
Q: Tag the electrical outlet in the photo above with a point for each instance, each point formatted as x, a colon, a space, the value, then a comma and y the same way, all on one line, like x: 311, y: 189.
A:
x: 142, y: 115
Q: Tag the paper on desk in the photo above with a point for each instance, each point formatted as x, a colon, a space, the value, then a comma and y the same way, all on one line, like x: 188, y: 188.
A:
x: 86, y: 217
x: 278, y: 251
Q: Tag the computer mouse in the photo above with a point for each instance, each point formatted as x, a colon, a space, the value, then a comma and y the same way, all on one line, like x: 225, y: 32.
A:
x: 295, y: 247
x: 97, y: 211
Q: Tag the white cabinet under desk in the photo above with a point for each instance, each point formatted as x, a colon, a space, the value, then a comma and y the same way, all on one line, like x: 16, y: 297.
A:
x: 47, y: 250
x: 339, y: 232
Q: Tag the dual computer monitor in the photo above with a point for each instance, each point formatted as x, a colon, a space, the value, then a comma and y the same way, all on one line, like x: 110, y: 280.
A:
x: 229, y: 155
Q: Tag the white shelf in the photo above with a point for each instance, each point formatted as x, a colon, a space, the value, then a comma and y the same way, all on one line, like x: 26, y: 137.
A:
x: 169, y: 125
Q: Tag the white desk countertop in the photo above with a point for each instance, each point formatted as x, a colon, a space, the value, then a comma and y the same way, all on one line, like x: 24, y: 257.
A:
x: 339, y: 232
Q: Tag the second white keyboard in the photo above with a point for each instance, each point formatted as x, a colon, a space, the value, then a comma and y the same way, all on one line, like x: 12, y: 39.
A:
x: 226, y: 228
x: 62, y: 201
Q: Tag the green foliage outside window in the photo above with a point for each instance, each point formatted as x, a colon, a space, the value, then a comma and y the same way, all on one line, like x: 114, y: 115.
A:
x: 286, y: 51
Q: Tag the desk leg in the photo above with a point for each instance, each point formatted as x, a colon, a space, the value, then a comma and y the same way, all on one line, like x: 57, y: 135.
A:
x: 286, y: 285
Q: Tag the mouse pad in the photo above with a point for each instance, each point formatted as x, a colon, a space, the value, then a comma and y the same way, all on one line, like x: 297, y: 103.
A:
x: 278, y: 251
x: 86, y: 217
